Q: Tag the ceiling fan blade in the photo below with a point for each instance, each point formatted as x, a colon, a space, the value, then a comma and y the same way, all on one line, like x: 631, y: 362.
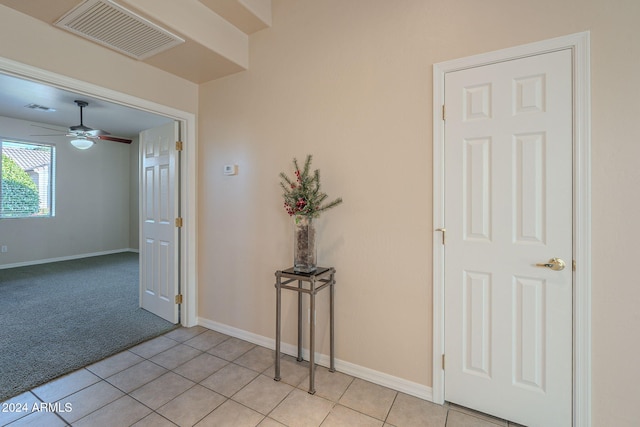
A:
x: 51, y: 134
x: 96, y: 132
x: 114, y: 139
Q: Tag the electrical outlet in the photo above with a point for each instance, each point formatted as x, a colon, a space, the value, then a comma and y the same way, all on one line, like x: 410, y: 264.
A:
x: 4, y: 249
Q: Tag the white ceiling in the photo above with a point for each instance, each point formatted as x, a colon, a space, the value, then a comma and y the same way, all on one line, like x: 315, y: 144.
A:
x: 116, y: 119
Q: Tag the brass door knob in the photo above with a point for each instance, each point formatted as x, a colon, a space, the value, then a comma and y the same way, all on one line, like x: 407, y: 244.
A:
x: 556, y: 264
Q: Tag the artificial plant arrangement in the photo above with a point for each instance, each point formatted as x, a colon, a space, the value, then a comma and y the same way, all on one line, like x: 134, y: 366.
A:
x: 304, y: 201
x: 302, y: 196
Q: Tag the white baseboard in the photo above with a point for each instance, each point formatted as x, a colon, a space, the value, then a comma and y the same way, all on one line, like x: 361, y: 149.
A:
x: 376, y: 377
x: 66, y: 258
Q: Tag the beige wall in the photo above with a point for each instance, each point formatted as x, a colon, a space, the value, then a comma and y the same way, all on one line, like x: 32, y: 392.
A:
x: 350, y: 82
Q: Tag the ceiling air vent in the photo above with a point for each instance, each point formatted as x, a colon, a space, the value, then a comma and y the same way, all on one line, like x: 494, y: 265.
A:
x: 115, y: 27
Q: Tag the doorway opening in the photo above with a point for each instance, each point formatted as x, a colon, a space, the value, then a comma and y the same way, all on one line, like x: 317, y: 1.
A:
x: 186, y: 179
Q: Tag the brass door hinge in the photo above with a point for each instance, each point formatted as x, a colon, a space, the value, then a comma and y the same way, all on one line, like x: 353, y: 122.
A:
x: 443, y: 362
x: 443, y: 113
x: 179, y: 222
x: 179, y: 299
x: 179, y: 145
x: 573, y: 265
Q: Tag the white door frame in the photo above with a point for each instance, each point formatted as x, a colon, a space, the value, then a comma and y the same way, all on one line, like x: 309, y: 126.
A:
x: 580, y: 45
x: 188, y: 175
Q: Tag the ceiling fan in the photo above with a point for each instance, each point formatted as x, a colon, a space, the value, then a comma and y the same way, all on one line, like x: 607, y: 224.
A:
x: 83, y: 136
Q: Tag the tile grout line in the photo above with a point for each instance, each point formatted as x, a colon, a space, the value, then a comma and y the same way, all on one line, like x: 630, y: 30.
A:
x: 391, y: 407
x: 230, y: 398
x: 128, y: 394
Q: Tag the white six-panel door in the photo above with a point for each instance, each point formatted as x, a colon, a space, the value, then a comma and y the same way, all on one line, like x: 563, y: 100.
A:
x: 508, y: 207
x: 159, y: 234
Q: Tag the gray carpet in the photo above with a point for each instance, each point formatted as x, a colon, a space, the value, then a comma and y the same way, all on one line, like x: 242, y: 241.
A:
x: 58, y: 317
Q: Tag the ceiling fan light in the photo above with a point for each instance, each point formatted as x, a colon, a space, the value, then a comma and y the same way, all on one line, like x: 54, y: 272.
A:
x: 82, y: 143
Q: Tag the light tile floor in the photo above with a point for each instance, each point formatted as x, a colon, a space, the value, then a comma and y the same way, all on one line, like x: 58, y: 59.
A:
x: 195, y: 376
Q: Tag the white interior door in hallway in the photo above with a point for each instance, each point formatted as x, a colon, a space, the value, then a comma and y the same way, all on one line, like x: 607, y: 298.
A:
x: 508, y: 214
x: 159, y: 240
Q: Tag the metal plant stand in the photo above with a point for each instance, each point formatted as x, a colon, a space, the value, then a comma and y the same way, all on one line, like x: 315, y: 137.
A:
x: 321, y: 278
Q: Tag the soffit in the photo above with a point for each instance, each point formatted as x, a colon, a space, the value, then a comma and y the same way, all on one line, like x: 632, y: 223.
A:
x: 191, y: 60
x: 44, y: 10
x: 237, y: 13
x: 194, y: 62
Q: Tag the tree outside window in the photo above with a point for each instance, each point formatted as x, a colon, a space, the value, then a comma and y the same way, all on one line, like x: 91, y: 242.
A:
x: 27, y: 180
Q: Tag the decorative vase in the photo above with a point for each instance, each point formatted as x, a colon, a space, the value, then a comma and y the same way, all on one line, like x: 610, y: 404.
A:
x: 304, y: 245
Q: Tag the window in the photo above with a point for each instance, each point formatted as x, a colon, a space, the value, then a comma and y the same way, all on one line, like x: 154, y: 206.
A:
x: 27, y: 179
